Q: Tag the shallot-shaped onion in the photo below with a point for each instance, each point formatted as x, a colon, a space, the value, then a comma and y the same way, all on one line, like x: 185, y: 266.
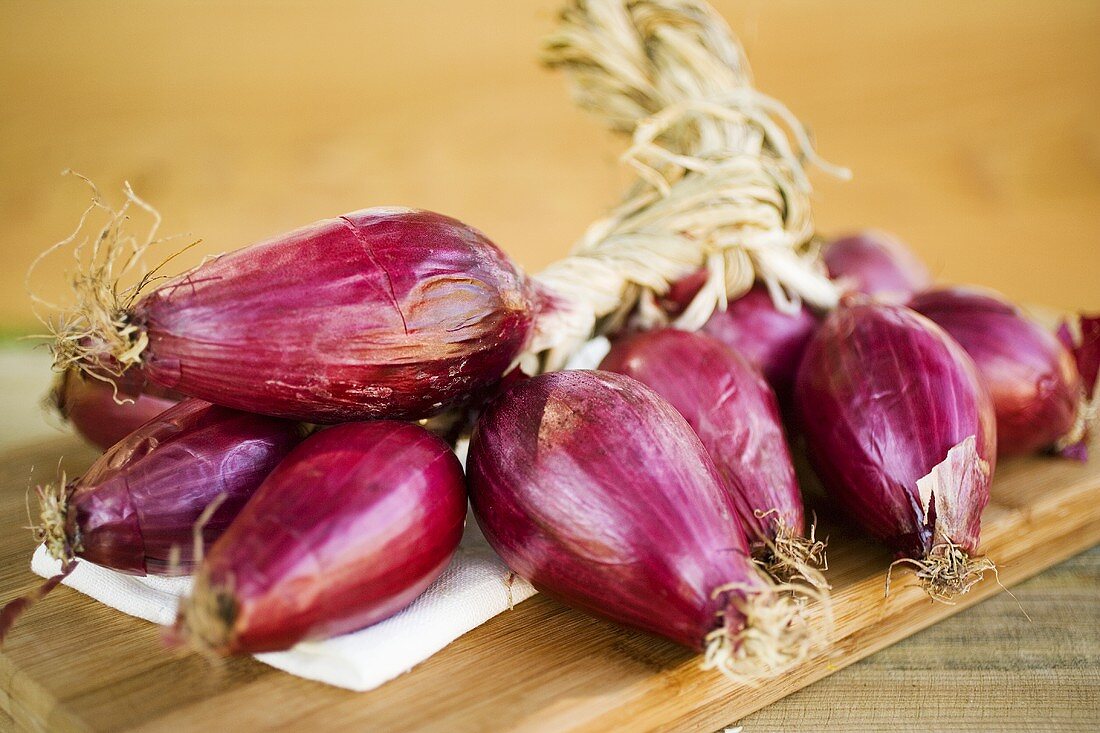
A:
x: 104, y: 412
x: 595, y: 489
x: 878, y: 264
x: 902, y: 433
x: 135, y: 510
x: 769, y: 339
x: 384, y: 312
x: 1036, y: 389
x: 735, y: 414
x: 351, y: 527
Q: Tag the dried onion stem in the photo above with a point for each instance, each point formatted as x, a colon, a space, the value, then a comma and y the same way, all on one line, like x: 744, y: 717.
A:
x: 720, y: 183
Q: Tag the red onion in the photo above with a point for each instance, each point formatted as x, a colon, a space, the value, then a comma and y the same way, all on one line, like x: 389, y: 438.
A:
x: 379, y: 313
x: 1031, y: 376
x: 595, y: 489
x: 878, y: 264
x: 902, y: 433
x: 735, y: 414
x: 105, y: 412
x: 348, y: 530
x: 136, y: 508
x: 770, y: 340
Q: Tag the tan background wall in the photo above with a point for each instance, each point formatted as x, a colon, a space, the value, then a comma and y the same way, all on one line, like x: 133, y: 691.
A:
x: 973, y: 128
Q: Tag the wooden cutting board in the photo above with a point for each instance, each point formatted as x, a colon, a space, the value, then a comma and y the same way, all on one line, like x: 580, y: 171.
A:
x: 73, y: 664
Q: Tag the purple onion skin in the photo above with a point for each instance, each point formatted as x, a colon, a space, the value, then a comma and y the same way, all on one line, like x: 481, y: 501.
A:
x: 139, y: 503
x: 103, y: 418
x: 1030, y: 375
x: 732, y: 410
x: 770, y: 340
x: 876, y: 264
x: 394, y: 313
x: 883, y: 395
x: 595, y: 489
x: 348, y: 530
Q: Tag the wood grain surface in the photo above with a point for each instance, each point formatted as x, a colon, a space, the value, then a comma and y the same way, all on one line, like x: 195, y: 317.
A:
x: 73, y: 664
x: 970, y: 127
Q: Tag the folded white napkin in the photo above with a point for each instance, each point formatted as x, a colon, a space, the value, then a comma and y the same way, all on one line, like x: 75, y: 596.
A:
x: 475, y: 587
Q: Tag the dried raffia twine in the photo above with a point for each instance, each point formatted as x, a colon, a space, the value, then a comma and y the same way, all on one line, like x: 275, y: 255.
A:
x: 719, y: 181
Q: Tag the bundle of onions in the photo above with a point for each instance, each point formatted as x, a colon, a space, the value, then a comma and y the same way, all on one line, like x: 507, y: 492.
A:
x: 106, y: 411
x: 630, y: 522
x: 736, y: 416
x: 402, y: 314
x: 902, y: 433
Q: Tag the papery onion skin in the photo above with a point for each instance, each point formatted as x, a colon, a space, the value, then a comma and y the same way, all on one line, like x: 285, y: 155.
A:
x: 384, y: 312
x: 1085, y: 348
x: 732, y: 410
x: 883, y: 395
x: 1083, y: 343
x: 770, y: 340
x: 350, y: 529
x: 877, y: 264
x: 103, y: 415
x: 135, y: 510
x: 1030, y: 375
x: 596, y: 490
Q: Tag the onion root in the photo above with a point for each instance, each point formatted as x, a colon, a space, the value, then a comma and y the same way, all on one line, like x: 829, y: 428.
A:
x: 761, y: 633
x: 946, y: 572
x: 792, y: 557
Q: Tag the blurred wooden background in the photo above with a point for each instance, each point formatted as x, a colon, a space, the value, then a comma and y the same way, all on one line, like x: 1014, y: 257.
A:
x: 972, y: 128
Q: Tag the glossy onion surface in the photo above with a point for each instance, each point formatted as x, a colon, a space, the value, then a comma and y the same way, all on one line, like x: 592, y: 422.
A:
x: 1030, y: 375
x: 732, y: 410
x: 768, y: 339
x: 595, y: 489
x: 136, y: 508
x: 380, y: 313
x: 883, y: 395
x: 348, y: 530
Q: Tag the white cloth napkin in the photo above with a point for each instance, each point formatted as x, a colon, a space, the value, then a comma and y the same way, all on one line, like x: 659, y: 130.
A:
x: 475, y: 587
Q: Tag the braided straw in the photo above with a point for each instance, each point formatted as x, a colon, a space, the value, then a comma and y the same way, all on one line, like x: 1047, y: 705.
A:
x: 719, y: 181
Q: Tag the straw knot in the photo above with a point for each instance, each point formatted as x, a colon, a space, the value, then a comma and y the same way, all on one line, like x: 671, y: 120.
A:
x: 720, y: 175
